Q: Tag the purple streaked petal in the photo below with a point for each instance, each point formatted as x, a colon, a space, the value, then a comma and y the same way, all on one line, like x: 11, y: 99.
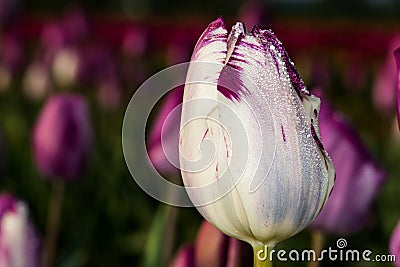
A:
x: 211, y: 46
x: 358, y: 177
x: 271, y: 41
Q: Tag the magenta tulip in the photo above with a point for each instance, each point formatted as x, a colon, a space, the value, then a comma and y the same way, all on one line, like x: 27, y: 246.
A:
x: 19, y: 243
x: 184, y: 257
x: 358, y: 177
x: 61, y: 137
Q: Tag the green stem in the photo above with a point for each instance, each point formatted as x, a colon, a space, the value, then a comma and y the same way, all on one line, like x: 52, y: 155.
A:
x: 262, y: 255
x: 53, y: 222
x: 317, y: 243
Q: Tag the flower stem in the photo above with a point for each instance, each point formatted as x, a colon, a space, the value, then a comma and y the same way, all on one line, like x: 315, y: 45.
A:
x: 261, y: 256
x: 53, y: 222
x: 317, y: 243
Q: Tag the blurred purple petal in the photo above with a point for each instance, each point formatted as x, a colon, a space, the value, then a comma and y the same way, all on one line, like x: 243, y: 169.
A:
x: 394, y: 246
x: 397, y: 58
x: 19, y: 242
x: 358, y: 177
x: 52, y: 36
x: 62, y: 136
x: 184, y: 257
x: 164, y: 135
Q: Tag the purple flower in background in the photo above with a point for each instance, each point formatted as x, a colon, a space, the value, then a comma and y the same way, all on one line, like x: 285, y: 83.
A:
x: 163, y: 138
x: 384, y: 88
x: 62, y: 136
x: 213, y: 249
x: 358, y: 177
x: 397, y: 58
x: 19, y: 243
x: 394, y: 246
x: 134, y: 42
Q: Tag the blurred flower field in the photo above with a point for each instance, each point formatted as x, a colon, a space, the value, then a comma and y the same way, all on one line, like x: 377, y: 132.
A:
x: 67, y: 74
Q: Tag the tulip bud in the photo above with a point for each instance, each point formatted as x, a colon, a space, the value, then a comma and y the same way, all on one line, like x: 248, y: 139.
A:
x: 266, y: 175
x: 394, y: 246
x: 19, y: 244
x: 359, y: 177
x: 61, y: 137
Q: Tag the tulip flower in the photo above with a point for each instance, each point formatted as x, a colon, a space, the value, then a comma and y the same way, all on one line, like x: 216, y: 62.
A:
x: 19, y: 243
x: 270, y: 175
x: 358, y: 177
x: 61, y: 137
x: 394, y: 246
x: 61, y: 143
x: 212, y: 249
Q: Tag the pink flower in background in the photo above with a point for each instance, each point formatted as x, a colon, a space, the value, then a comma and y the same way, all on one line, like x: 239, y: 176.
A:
x: 184, y: 257
x: 163, y: 138
x: 62, y: 136
x: 384, y: 87
x: 358, y: 177
x: 394, y: 246
x: 19, y: 243
x: 213, y: 249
